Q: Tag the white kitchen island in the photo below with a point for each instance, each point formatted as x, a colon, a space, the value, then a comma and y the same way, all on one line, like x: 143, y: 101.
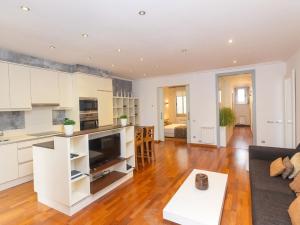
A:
x: 52, y: 165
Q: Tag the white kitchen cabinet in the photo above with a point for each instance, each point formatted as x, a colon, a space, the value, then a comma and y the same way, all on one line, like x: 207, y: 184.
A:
x: 19, y: 87
x: 4, y: 86
x: 65, y: 90
x: 103, y: 84
x: 8, y: 163
x: 44, y: 87
x: 105, y: 107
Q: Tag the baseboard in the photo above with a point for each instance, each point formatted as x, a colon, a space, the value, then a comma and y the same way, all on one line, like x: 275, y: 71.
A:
x: 203, y: 145
x: 16, y: 182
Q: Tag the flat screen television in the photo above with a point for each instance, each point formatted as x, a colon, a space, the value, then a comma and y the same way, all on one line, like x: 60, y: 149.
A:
x: 104, y: 149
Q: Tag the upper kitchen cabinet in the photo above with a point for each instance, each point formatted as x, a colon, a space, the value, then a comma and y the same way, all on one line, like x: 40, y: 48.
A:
x: 105, y: 108
x: 4, y: 86
x: 89, y: 85
x: 44, y: 87
x: 19, y: 87
x: 65, y: 82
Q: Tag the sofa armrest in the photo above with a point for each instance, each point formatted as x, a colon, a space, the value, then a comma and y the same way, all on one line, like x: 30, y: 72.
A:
x: 269, y: 153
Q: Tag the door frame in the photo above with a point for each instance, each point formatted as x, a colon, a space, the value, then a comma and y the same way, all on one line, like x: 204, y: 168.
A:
x: 160, y: 111
x: 235, y: 73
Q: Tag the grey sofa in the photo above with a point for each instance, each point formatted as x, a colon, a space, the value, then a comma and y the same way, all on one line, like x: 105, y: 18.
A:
x: 271, y: 196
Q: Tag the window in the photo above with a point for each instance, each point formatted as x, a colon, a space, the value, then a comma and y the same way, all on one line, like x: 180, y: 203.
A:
x: 241, y: 95
x: 180, y: 105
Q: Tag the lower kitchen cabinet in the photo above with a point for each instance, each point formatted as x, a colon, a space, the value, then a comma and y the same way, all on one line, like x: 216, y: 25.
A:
x: 9, y: 168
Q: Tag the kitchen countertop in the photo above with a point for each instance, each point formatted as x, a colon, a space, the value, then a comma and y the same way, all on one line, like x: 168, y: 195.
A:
x: 49, y: 145
x: 96, y: 130
x: 21, y: 138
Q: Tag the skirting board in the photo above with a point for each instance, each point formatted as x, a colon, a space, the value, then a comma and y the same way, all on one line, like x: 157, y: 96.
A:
x: 71, y: 210
x: 203, y: 145
x: 15, y: 182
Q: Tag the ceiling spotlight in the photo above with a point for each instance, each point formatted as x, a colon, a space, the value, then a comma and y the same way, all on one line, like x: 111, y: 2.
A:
x: 141, y: 59
x: 184, y: 50
x: 25, y: 8
x: 84, y: 35
x: 234, y: 61
x: 142, y: 13
x: 119, y: 50
x: 112, y: 65
x: 230, y: 41
x: 52, y: 47
x: 144, y: 75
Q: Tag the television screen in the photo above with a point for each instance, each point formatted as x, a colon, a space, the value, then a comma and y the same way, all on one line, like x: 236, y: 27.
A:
x: 104, y: 149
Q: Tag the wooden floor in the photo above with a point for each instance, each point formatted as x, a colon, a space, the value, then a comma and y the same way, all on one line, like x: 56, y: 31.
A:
x: 141, y: 200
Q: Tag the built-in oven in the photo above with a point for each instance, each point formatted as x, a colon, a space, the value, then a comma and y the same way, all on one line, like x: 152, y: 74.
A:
x: 88, y: 113
x: 88, y: 105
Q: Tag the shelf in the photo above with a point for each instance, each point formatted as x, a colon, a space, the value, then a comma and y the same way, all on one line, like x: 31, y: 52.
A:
x: 79, y: 178
x: 105, y: 181
x: 107, y: 165
x: 78, y: 196
x: 80, y: 155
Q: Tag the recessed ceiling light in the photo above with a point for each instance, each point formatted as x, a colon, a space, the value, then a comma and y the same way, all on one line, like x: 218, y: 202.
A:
x: 25, y: 8
x: 89, y: 58
x: 144, y: 75
x: 230, y: 41
x: 184, y: 50
x: 142, y: 13
x: 112, y: 65
x: 119, y: 50
x: 141, y: 59
x: 84, y: 35
x: 52, y: 47
x: 234, y: 61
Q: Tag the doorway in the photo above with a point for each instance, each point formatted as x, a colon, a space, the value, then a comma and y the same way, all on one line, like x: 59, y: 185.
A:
x: 236, y: 96
x: 174, y: 113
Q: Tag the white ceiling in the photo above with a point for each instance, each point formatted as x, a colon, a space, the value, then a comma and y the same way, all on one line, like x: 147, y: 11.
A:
x: 262, y: 30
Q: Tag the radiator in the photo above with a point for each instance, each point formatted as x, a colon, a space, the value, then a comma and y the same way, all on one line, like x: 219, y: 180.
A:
x: 207, y: 135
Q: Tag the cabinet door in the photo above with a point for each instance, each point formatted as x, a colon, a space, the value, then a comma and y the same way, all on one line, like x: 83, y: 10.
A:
x: 19, y: 77
x: 4, y: 86
x: 65, y: 90
x: 44, y: 87
x: 103, y: 84
x: 8, y: 163
x: 105, y: 108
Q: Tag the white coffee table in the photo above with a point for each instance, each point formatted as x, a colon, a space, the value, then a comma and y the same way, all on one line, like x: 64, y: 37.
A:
x: 190, y: 206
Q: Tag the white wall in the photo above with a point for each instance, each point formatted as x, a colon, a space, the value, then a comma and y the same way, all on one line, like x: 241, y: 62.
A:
x: 294, y: 63
x: 269, y: 89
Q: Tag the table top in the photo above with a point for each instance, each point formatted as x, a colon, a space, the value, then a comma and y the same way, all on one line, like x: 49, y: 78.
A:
x: 190, y: 206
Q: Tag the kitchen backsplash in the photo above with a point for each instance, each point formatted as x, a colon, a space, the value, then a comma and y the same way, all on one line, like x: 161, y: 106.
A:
x: 58, y: 117
x: 12, y: 120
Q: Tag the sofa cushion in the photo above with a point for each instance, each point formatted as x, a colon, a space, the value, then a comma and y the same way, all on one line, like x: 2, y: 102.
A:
x: 295, y: 160
x: 270, y: 208
x: 289, y: 167
x: 294, y: 211
x: 260, y: 178
x: 295, y: 184
x: 276, y: 167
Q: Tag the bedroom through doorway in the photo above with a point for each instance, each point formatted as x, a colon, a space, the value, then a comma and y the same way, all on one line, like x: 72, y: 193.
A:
x: 174, y: 113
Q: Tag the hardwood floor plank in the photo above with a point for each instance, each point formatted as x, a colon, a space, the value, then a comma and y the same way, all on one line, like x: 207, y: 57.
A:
x: 142, y: 199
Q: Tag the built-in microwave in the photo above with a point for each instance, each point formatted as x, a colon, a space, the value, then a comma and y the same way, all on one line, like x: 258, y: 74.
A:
x: 88, y: 105
x: 88, y: 113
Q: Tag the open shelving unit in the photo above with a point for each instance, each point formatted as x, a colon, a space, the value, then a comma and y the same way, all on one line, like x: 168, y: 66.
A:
x: 126, y: 106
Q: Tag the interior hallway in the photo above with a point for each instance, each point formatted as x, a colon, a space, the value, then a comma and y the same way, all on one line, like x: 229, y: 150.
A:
x: 242, y: 137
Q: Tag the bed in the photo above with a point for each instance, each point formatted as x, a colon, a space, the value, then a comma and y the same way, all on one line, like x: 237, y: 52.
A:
x: 175, y: 130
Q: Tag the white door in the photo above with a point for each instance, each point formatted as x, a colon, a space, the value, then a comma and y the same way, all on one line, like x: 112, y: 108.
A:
x: 160, y: 110
x: 289, y: 109
x: 188, y: 117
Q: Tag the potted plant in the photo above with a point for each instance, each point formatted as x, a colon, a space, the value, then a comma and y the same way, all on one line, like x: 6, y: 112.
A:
x: 227, y: 119
x: 123, y: 120
x: 69, y: 127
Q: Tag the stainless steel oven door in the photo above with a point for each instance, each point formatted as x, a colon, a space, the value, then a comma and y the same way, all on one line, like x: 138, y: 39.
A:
x: 88, y: 105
